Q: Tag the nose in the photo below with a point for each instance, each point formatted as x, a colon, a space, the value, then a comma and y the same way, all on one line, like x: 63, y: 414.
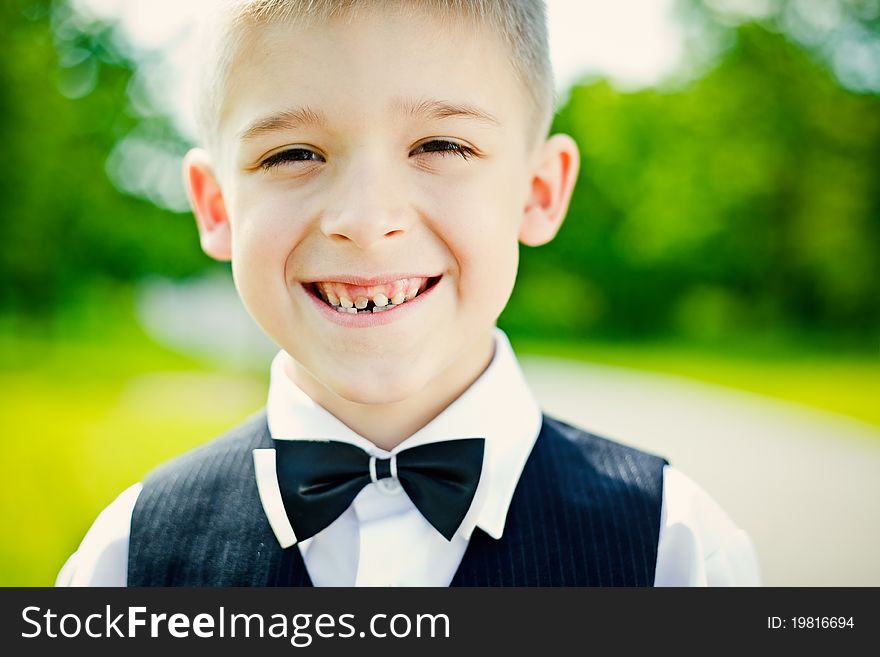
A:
x: 367, y: 208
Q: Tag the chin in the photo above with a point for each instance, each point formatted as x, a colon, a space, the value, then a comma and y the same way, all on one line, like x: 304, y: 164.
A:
x: 378, y: 388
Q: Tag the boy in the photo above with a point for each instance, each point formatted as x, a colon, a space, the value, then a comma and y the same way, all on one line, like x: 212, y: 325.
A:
x: 370, y: 169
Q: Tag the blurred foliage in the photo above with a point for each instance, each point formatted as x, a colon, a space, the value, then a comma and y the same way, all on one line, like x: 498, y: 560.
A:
x: 741, y: 202
x: 746, y: 202
x: 63, y: 225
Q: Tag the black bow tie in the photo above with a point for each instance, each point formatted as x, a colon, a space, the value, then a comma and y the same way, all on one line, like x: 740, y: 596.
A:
x: 319, y: 479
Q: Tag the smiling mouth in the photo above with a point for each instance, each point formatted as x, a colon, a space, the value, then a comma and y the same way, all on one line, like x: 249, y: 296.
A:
x: 359, y: 299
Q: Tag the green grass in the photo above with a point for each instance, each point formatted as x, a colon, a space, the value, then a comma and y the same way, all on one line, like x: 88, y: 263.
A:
x: 83, y: 419
x: 90, y: 404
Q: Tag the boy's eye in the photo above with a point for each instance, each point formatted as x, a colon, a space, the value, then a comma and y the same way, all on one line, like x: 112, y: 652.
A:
x: 290, y: 155
x: 443, y: 148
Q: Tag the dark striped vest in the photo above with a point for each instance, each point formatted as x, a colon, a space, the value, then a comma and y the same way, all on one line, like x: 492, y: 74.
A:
x: 586, y: 512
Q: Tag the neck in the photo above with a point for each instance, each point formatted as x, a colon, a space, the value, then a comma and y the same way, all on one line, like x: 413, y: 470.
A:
x: 388, y: 425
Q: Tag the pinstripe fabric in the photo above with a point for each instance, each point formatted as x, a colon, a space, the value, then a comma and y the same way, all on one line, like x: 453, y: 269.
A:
x: 586, y: 512
x: 198, y: 521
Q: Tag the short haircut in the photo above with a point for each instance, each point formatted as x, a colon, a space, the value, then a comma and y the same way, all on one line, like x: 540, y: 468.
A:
x: 520, y: 24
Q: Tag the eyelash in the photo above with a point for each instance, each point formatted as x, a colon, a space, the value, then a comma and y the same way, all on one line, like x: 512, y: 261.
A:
x: 281, y: 157
x: 461, y: 150
x: 276, y: 159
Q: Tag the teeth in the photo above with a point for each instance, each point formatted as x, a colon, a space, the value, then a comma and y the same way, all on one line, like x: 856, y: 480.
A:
x: 379, y: 298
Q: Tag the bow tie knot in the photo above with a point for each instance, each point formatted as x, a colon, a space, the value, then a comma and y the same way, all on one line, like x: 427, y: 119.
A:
x: 383, y: 468
x: 319, y: 480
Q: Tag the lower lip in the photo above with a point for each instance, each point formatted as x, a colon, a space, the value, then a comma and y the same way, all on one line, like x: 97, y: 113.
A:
x: 367, y: 320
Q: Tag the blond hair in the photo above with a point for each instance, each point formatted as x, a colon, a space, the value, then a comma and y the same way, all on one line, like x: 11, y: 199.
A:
x: 521, y: 24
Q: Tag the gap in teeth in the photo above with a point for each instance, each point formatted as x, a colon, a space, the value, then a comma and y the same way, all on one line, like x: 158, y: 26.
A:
x: 369, y: 308
x: 401, y: 291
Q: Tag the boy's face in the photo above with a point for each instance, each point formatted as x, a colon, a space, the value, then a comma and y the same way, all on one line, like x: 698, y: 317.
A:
x: 375, y: 158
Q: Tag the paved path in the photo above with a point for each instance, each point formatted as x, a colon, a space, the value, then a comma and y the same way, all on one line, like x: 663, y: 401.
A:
x: 804, y: 483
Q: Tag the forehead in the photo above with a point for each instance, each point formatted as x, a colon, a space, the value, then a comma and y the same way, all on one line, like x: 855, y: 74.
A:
x: 378, y: 68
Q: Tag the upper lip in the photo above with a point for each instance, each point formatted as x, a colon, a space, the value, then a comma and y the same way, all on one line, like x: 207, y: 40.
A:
x: 366, y: 281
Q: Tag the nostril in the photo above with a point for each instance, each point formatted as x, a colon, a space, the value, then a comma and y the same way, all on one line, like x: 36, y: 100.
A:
x: 392, y: 233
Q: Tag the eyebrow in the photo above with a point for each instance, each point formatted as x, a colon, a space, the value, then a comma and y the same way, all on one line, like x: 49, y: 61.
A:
x: 428, y: 108
x: 284, y: 120
x: 437, y: 109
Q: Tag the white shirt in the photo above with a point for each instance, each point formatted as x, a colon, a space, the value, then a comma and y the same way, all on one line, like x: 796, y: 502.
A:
x: 383, y: 540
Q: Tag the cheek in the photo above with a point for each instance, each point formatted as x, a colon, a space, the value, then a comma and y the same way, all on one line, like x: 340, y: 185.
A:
x: 498, y: 275
x: 263, y: 237
x: 487, y: 252
x: 264, y: 231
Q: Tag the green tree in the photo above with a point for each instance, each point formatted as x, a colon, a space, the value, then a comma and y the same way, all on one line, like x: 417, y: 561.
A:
x: 63, y: 224
x: 745, y: 201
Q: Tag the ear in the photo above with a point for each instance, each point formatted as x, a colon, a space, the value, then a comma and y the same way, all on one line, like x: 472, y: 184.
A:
x: 206, y: 199
x: 553, y: 177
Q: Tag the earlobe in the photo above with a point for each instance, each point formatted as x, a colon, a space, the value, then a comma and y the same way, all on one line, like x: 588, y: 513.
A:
x: 206, y: 199
x: 552, y: 184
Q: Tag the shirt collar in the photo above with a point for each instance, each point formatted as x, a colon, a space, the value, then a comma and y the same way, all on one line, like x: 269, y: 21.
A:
x: 498, y: 406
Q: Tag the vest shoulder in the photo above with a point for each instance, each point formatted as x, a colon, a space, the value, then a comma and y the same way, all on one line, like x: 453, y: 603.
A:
x: 595, y: 445
x: 222, y: 453
x: 198, y: 519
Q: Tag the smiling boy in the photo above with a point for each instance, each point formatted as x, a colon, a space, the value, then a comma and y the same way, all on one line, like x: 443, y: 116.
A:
x: 370, y: 170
